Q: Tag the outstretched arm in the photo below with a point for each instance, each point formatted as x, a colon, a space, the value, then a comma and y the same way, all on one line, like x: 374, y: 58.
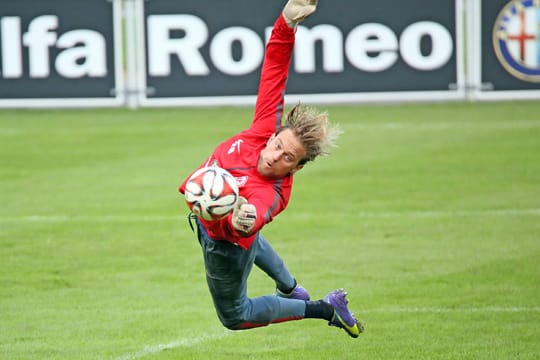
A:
x: 275, y: 70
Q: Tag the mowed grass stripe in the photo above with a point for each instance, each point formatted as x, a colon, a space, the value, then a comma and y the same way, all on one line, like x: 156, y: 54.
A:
x: 426, y: 214
x: 184, y: 342
x: 159, y: 218
x: 432, y: 310
x: 149, y: 350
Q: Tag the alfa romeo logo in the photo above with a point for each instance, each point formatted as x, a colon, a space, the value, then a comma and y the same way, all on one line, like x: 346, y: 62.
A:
x: 516, y: 39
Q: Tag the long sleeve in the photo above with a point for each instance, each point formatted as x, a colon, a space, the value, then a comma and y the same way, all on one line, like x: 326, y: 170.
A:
x: 275, y: 70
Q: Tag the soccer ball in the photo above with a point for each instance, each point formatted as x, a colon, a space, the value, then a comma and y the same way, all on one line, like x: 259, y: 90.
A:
x: 211, y: 193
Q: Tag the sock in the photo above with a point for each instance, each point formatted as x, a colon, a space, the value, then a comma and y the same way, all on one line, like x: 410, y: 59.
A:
x: 319, y: 310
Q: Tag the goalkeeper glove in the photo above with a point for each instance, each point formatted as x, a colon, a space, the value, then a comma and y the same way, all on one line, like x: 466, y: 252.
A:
x: 297, y: 10
x: 244, y: 216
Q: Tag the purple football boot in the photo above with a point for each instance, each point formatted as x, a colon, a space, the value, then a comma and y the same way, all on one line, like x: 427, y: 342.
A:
x: 298, y: 293
x: 343, y: 318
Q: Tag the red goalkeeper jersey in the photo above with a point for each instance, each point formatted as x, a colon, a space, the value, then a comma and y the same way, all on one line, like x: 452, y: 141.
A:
x: 239, y: 154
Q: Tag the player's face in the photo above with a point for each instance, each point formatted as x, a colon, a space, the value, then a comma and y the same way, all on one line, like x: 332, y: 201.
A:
x: 281, y: 155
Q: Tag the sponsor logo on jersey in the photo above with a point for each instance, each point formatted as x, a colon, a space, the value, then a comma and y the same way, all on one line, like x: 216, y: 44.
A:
x: 235, y: 146
x: 516, y: 39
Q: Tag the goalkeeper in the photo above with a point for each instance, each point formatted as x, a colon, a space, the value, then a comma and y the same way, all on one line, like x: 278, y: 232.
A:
x: 263, y: 160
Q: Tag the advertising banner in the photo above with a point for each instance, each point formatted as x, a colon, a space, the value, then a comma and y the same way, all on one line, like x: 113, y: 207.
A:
x: 350, y: 50
x: 63, y: 53
x: 60, y: 52
x: 510, y: 50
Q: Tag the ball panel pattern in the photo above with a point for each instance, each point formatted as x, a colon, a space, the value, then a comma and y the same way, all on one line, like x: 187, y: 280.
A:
x: 211, y: 193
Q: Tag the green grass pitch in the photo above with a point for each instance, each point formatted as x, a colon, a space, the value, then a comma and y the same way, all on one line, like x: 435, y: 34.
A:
x: 427, y: 214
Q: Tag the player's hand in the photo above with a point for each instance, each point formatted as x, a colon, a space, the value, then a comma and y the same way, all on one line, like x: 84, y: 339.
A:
x: 297, y: 10
x: 244, y: 216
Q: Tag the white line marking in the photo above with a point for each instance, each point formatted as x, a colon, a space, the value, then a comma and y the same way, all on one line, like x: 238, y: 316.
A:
x: 182, y: 217
x: 91, y: 218
x: 186, y: 342
x: 436, y: 310
x: 189, y: 342
x: 454, y: 213
x: 433, y: 125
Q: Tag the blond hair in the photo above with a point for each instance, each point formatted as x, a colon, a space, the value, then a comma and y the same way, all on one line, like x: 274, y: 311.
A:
x: 313, y: 130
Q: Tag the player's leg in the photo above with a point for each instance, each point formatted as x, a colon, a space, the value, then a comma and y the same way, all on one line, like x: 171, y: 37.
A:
x: 333, y: 308
x: 272, y: 264
x: 227, y: 269
x: 270, y: 309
